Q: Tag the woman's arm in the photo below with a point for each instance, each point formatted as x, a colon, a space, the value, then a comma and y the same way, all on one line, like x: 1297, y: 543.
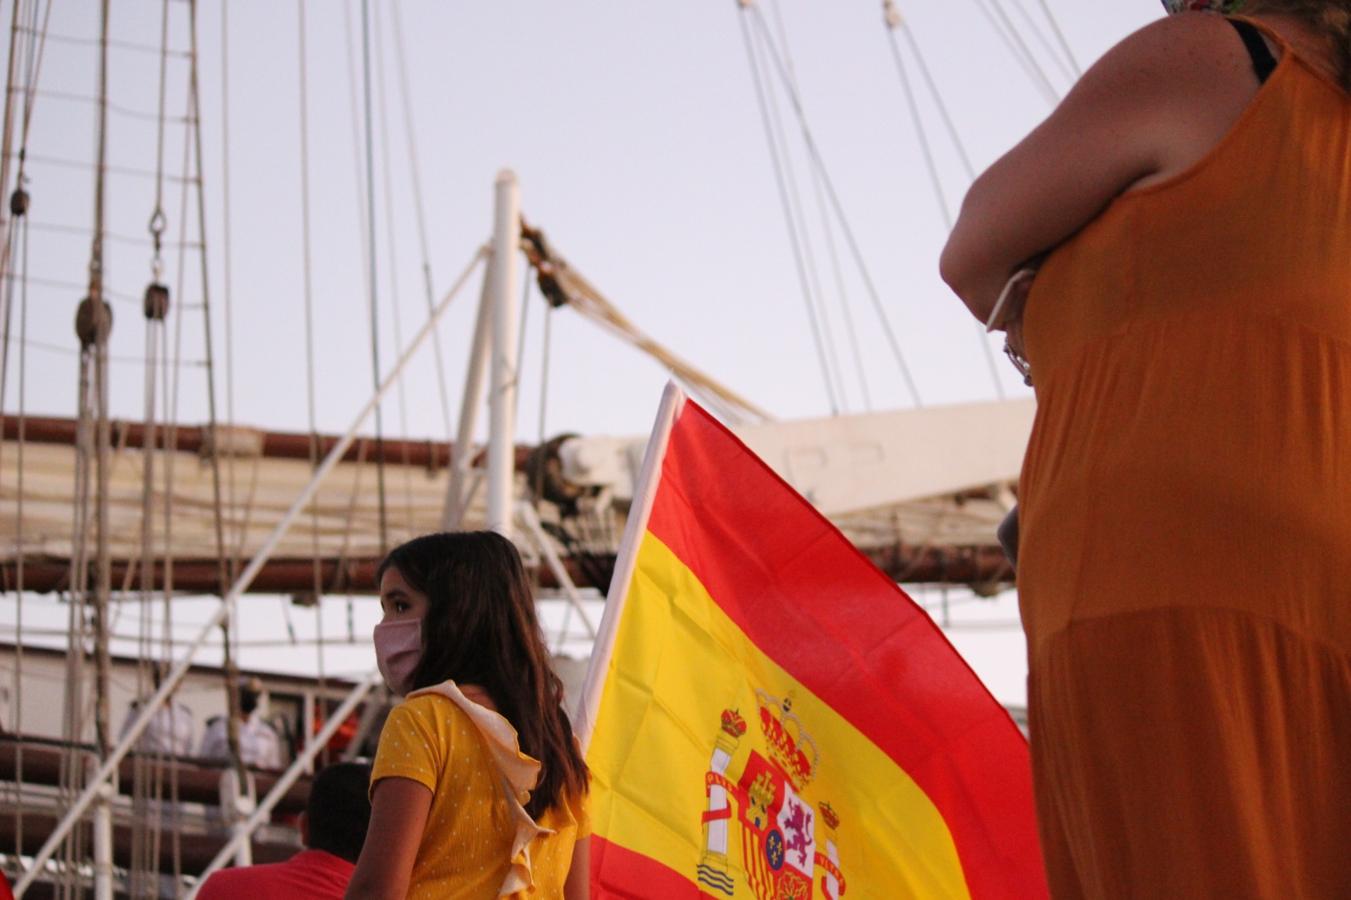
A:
x: 1152, y: 106
x: 578, y: 885
x: 399, y: 809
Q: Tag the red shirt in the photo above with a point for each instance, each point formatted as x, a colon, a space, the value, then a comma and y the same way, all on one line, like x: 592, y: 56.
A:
x: 309, y: 875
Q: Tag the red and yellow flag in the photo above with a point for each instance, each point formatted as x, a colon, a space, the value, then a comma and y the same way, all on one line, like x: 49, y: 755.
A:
x: 769, y: 716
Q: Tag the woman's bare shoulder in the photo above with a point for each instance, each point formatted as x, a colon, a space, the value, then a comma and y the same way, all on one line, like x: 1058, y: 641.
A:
x: 1152, y: 106
x: 1182, y: 81
x: 1183, y: 39
x: 1185, y: 56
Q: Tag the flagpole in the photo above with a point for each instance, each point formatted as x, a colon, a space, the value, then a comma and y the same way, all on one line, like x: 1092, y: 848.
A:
x: 644, y: 492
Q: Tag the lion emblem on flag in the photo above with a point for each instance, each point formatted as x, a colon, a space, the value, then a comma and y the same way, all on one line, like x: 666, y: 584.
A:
x: 785, y: 842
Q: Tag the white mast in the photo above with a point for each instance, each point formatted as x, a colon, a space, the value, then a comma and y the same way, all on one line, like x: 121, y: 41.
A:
x: 502, y: 387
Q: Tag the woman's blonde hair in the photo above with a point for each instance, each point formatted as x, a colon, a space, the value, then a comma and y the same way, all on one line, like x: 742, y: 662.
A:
x: 1331, y: 18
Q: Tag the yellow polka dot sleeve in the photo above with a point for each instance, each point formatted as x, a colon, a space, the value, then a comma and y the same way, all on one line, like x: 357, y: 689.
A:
x: 581, y: 811
x: 414, y: 744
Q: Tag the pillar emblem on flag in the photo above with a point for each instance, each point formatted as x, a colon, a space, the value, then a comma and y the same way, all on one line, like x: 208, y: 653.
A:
x: 788, y: 846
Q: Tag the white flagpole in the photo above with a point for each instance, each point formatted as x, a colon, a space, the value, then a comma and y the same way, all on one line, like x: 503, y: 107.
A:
x: 644, y: 493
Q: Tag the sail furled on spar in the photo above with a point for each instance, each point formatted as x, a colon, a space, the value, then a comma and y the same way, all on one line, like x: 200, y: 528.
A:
x: 769, y: 715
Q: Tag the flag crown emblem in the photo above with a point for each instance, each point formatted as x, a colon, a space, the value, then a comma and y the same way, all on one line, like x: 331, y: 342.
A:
x: 787, y: 741
x: 733, y: 723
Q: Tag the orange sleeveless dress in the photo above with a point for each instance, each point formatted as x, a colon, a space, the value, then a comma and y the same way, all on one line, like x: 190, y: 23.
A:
x: 1185, y: 568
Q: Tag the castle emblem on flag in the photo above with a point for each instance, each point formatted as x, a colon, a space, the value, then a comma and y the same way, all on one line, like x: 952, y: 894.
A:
x: 788, y: 846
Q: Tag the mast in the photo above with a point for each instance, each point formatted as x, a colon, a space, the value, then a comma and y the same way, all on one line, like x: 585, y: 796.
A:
x: 102, y: 318
x: 502, y: 388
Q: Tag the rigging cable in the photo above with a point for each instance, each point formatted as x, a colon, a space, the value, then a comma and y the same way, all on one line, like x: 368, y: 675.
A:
x: 171, y: 394
x: 113, y: 43
x: 828, y: 230
x: 568, y: 286
x: 145, y: 854
x: 317, y: 577
x: 374, y: 295
x: 800, y: 218
x: 18, y: 208
x: 72, y: 730
x: 1060, y: 38
x: 359, y: 182
x: 392, y: 242
x: 788, y: 213
x: 35, y: 57
x: 894, y: 21
x: 102, y: 319
x: 1052, y: 53
x: 1013, y: 42
x: 19, y: 200
x: 229, y: 621
x: 227, y: 298
x: 19, y: 543
x: 91, y: 325
x: 414, y: 172
x: 814, y: 154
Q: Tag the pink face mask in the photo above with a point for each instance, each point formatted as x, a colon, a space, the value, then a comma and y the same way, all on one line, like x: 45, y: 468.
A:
x: 398, y: 647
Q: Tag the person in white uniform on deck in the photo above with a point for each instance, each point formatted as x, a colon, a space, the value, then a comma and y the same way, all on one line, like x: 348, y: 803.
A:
x: 259, y: 744
x: 170, y: 729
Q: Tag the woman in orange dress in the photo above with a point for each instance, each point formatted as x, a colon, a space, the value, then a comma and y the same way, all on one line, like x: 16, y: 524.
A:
x: 1185, y: 556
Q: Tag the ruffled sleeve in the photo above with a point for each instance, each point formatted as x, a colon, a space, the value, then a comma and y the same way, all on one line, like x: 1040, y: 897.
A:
x: 517, y: 775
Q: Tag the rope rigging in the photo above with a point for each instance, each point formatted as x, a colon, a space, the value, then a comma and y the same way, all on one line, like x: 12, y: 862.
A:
x: 1037, y: 32
x: 800, y: 219
x: 224, y: 575
x: 392, y: 242
x: 896, y: 22
x: 1060, y: 39
x: 95, y: 343
x: 148, y: 773
x: 18, y: 208
x: 748, y: 8
x: 171, y: 378
x: 113, y: 107
x: 229, y: 562
x: 93, y: 322
x: 415, y: 174
x: 828, y: 230
x: 227, y: 273
x: 113, y: 43
x: 790, y: 218
x: 371, y: 270
x: 1014, y: 43
x: 563, y: 285
x: 317, y: 576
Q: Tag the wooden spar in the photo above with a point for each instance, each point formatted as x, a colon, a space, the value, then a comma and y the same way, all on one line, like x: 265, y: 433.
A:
x: 912, y: 565
x: 245, y: 441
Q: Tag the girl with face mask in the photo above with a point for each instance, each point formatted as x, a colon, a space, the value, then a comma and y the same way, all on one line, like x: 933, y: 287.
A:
x: 478, y: 789
x: 1184, y: 220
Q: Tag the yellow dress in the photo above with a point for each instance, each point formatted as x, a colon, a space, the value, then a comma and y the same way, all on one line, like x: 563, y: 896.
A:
x: 466, y: 851
x: 1185, y: 567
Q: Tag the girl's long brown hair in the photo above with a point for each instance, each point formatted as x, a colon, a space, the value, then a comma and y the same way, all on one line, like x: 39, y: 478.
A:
x: 480, y: 628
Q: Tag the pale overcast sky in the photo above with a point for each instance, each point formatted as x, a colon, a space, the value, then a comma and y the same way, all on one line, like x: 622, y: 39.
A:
x: 634, y: 128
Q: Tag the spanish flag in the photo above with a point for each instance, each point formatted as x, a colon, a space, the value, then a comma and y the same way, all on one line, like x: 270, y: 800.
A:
x: 768, y: 716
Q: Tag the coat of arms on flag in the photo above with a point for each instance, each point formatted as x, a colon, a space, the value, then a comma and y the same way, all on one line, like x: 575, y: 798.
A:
x: 784, y: 840
x: 768, y: 716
